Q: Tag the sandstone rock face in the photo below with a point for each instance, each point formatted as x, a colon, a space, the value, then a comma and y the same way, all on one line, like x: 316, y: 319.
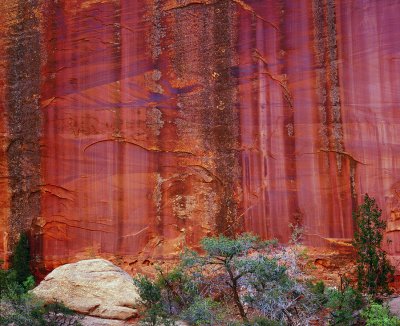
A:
x: 131, y: 128
x: 94, y: 287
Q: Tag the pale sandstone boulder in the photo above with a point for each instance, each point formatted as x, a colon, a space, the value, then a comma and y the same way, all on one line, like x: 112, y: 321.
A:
x: 92, y: 287
x: 95, y: 321
x: 394, y: 306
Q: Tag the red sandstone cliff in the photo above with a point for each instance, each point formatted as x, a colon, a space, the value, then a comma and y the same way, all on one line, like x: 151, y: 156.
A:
x: 131, y: 128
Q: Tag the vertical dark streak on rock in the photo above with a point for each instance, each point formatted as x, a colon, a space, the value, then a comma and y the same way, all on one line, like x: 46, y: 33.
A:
x: 327, y: 80
x: 223, y: 113
x: 290, y: 136
x: 321, y: 90
x: 24, y: 117
x: 53, y: 16
x: 257, y: 106
x: 117, y: 54
x: 353, y: 185
x: 333, y: 91
x: 329, y: 106
x: 155, y: 41
x: 320, y: 71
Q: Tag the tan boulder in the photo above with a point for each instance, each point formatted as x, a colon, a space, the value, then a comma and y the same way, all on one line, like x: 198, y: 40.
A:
x: 92, y: 287
x: 95, y: 321
x: 394, y: 306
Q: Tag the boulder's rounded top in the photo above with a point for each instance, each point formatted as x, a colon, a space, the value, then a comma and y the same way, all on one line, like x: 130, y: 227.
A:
x: 95, y: 287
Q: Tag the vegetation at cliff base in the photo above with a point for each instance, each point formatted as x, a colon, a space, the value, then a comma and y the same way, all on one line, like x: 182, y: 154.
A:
x: 21, y: 259
x: 18, y: 307
x: 236, y: 281
x: 374, y: 270
x: 378, y: 315
x: 234, y: 277
x: 247, y: 281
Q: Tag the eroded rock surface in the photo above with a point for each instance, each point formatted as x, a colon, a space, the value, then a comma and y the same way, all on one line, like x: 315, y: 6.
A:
x: 129, y: 129
x: 93, y: 287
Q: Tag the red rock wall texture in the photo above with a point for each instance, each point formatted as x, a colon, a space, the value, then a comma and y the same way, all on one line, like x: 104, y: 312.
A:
x: 131, y: 128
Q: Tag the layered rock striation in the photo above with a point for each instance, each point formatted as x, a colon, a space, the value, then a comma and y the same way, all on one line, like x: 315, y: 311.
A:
x: 129, y: 129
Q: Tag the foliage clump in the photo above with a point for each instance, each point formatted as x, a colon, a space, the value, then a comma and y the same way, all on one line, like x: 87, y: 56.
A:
x: 18, y: 307
x: 234, y: 277
x: 21, y: 259
x: 374, y: 270
x: 378, y: 315
x: 203, y: 311
x: 344, y: 304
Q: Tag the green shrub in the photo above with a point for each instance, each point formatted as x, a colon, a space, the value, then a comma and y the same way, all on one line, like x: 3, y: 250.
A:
x: 262, y: 321
x: 179, y: 288
x: 149, y: 292
x: 258, y: 321
x: 229, y: 257
x: 155, y: 312
x: 318, y: 290
x: 20, y: 308
x: 344, y: 304
x: 8, y: 280
x: 378, y: 315
x: 21, y: 259
x: 248, y: 272
x: 269, y: 289
x: 245, y: 275
x: 29, y: 283
x: 374, y: 271
x: 203, y: 311
x: 59, y: 308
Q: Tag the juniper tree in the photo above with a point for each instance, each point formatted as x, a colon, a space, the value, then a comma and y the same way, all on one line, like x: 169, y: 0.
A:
x: 373, y: 268
x: 251, y: 276
x: 21, y: 259
x: 236, y: 267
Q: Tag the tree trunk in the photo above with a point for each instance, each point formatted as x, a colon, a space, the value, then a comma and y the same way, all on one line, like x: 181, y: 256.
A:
x: 234, y: 287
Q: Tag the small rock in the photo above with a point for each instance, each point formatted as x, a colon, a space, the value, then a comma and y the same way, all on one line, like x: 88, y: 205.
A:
x: 394, y: 306
x: 94, y: 321
x: 92, y: 287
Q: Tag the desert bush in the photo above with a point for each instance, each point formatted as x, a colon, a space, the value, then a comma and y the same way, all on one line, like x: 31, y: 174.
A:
x: 21, y: 309
x: 378, y: 315
x: 262, y: 321
x: 228, y: 256
x: 253, y: 277
x: 319, y: 292
x: 344, y: 304
x: 59, y: 308
x: 7, y: 281
x: 203, y: 311
x: 21, y: 259
x: 57, y: 314
x: 166, y: 297
x: 18, y: 306
x: 269, y: 290
x: 267, y: 278
x: 150, y: 294
x: 374, y: 270
x: 258, y: 321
